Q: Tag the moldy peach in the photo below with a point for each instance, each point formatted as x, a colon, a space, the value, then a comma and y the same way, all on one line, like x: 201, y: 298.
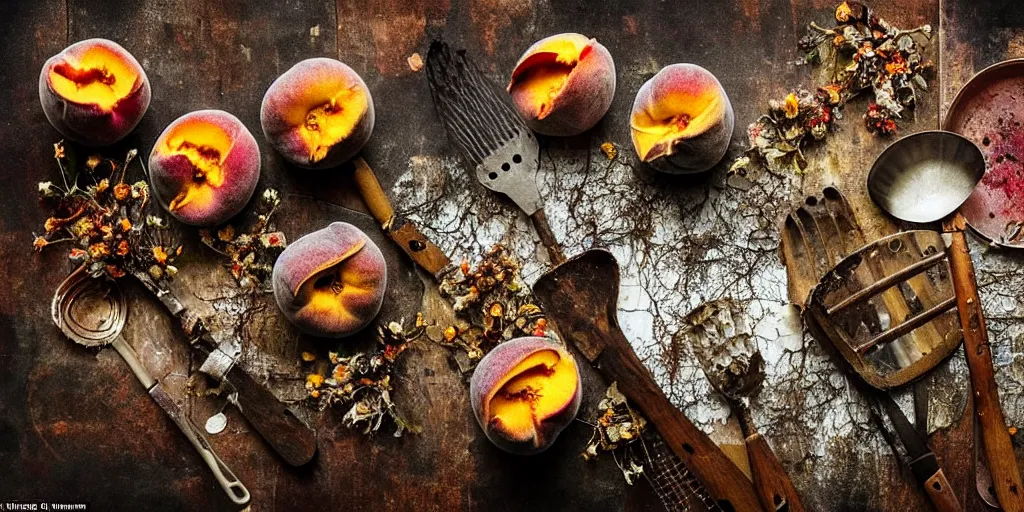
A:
x: 204, y: 167
x: 331, y: 282
x: 524, y: 392
x: 682, y: 120
x: 94, y: 92
x: 318, y: 114
x: 563, y: 85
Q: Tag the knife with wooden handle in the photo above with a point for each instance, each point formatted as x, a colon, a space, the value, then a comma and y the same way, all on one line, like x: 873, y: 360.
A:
x: 422, y: 251
x: 282, y: 430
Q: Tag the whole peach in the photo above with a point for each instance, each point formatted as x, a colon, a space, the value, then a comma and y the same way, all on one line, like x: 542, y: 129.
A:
x: 682, y: 120
x: 318, y: 114
x: 94, y: 92
x: 331, y: 282
x: 204, y: 167
x: 524, y: 392
x: 563, y: 85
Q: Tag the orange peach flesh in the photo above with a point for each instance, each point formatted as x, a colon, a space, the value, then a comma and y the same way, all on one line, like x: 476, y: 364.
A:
x: 544, y: 74
x: 100, y: 78
x: 537, y: 388
x: 205, y: 145
x: 679, y: 115
x: 327, y: 287
x: 327, y: 117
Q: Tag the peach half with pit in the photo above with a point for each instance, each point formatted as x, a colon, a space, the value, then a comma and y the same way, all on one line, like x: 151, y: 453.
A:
x: 94, y: 92
x: 204, y: 167
x: 524, y: 392
x: 331, y: 282
x: 682, y: 120
x: 563, y: 85
x: 318, y: 114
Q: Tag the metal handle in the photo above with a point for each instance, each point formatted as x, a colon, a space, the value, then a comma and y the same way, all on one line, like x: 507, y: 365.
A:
x: 234, y: 488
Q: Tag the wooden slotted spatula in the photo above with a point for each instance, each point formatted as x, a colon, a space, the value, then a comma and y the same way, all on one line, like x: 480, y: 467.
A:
x: 490, y: 134
x: 581, y: 297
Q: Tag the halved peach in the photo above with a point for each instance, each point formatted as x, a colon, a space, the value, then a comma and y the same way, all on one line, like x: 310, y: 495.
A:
x: 682, y: 120
x: 524, y: 392
x: 331, y: 282
x: 94, y: 92
x: 318, y: 114
x: 204, y: 167
x: 563, y: 85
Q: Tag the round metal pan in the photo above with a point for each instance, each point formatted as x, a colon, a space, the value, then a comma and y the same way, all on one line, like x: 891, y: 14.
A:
x: 989, y: 110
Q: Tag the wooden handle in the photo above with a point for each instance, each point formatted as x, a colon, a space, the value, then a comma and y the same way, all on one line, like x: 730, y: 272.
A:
x: 286, y: 434
x: 940, y: 493
x: 723, y: 480
x: 998, y: 448
x: 547, y: 238
x: 417, y: 246
x: 372, y: 193
x: 771, y: 482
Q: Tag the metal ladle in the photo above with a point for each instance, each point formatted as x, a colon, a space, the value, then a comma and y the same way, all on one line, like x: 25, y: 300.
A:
x: 92, y: 313
x: 926, y: 177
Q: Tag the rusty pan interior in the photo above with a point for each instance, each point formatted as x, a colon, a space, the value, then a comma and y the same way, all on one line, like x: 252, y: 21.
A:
x: 989, y: 110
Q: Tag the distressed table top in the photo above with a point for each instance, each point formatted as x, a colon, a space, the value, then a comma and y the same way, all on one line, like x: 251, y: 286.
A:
x: 75, y: 425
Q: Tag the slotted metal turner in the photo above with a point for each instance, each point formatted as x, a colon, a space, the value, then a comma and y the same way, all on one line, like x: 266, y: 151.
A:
x: 502, y: 149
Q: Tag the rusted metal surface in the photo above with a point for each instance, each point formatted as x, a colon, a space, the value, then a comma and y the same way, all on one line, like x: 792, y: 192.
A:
x: 74, y: 425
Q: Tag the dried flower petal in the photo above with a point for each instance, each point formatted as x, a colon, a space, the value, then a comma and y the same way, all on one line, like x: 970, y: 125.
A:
x: 159, y: 255
x: 122, y: 191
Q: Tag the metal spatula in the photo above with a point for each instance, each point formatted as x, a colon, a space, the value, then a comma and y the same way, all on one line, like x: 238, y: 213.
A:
x: 490, y: 134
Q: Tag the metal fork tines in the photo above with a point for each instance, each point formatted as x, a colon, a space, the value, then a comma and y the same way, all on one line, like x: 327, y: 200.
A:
x: 489, y: 133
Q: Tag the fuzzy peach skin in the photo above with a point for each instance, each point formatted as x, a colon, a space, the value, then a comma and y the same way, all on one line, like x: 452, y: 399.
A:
x: 524, y: 392
x: 204, y: 167
x: 682, y: 120
x: 563, y: 85
x: 331, y: 282
x: 318, y: 114
x: 94, y: 92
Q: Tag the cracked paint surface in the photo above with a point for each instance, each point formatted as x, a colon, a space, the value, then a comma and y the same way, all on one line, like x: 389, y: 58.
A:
x: 681, y: 242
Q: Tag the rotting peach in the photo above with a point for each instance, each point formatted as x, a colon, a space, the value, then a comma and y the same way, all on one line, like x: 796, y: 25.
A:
x: 318, y: 114
x: 682, y: 120
x: 524, y: 392
x: 331, y: 282
x: 204, y: 167
x: 94, y: 92
x: 563, y: 85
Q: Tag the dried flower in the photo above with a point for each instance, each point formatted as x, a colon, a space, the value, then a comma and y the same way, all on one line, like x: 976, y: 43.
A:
x: 122, y: 191
x: 47, y: 189
x: 314, y: 380
x: 99, y: 250
x: 93, y: 161
x: 862, y: 53
x: 159, y: 254
x: 791, y: 106
x: 252, y: 250
x: 58, y: 150
x: 39, y: 243
x: 609, y: 150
